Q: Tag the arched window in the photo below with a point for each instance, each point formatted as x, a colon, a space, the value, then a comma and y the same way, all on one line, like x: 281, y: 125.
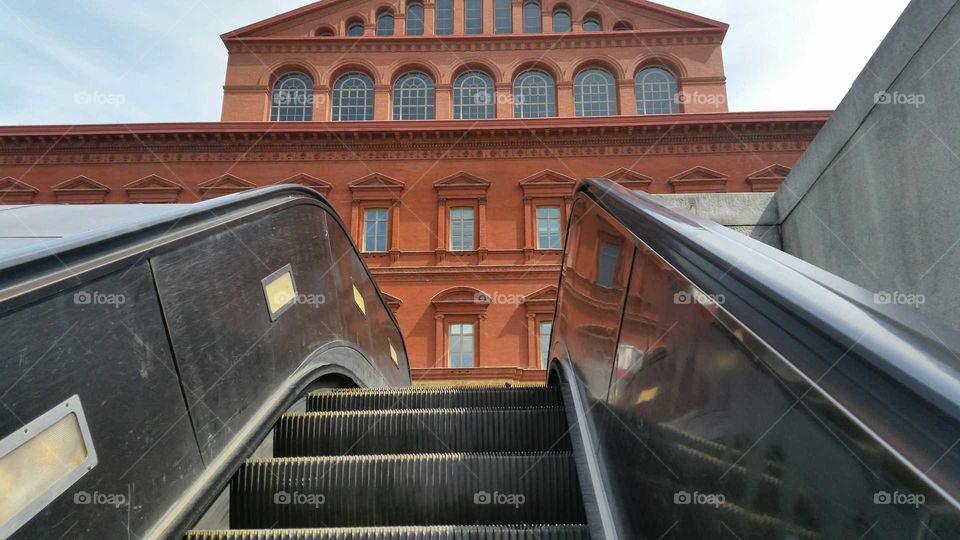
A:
x: 473, y: 96
x: 595, y: 93
x: 415, y: 18
x: 532, y: 23
x: 413, y: 97
x: 592, y: 24
x: 325, y: 31
x: 502, y: 17
x: 562, y: 21
x: 292, y: 99
x: 622, y: 26
x: 355, y: 28
x: 353, y: 97
x: 656, y: 91
x: 534, y: 95
x: 444, y: 22
x: 385, y: 24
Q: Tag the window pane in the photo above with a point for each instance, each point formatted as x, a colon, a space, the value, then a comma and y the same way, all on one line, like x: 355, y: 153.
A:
x: 595, y: 93
x: 473, y: 16
x: 502, y: 17
x: 532, y: 23
x: 413, y: 97
x: 292, y: 99
x: 473, y: 96
x: 385, y: 24
x: 656, y: 92
x: 355, y: 29
x: 546, y: 328
x: 548, y: 227
x: 591, y: 25
x: 444, y: 17
x: 375, y: 230
x: 561, y: 21
x: 415, y: 18
x: 353, y: 97
x: 533, y: 93
x: 607, y: 264
x: 461, y: 348
x: 461, y: 229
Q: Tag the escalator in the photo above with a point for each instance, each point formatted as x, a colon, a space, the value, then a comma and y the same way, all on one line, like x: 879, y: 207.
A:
x: 413, y: 464
x: 230, y: 370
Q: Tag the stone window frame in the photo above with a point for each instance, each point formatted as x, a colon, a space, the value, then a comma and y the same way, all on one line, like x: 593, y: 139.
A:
x: 377, y: 191
x: 545, y: 188
x: 461, y: 190
x: 539, y: 307
x: 459, y: 305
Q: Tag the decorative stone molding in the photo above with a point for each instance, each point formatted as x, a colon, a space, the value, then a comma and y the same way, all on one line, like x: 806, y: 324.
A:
x: 539, y: 307
x: 223, y: 185
x: 460, y: 190
x: 699, y: 180
x: 546, y: 187
x: 81, y: 190
x: 630, y: 179
x: 13, y: 191
x: 393, y: 302
x: 303, y: 179
x: 459, y: 304
x: 769, y: 178
x: 153, y: 189
x: 371, y: 191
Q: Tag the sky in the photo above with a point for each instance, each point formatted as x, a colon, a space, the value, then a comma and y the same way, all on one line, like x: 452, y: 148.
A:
x: 133, y: 61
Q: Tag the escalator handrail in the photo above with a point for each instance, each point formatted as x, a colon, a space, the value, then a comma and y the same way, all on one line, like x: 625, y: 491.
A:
x: 785, y: 301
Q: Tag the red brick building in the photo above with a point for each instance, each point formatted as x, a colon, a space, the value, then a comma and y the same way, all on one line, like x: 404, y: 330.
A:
x: 449, y: 134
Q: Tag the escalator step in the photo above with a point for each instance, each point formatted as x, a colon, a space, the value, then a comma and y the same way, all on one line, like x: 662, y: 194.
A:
x: 399, y: 490
x: 469, y: 532
x: 421, y: 431
x: 366, y: 399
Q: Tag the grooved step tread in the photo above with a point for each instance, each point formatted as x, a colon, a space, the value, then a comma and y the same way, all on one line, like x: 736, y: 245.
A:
x: 402, y: 490
x: 421, y: 431
x: 366, y: 399
x: 440, y: 532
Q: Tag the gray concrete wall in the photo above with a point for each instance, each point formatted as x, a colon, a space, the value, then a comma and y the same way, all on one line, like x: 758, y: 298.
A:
x: 875, y: 198
x: 752, y: 214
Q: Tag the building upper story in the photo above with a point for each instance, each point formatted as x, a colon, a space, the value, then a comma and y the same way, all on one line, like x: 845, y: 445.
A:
x: 349, y: 60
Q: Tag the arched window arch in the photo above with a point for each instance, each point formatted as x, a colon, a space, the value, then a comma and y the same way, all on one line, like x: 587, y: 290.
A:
x: 562, y: 21
x: 292, y: 99
x: 413, y: 97
x: 656, y: 90
x: 592, y: 23
x: 473, y: 96
x: 534, y: 94
x: 415, y: 19
x: 385, y: 23
x: 595, y: 93
x: 622, y: 26
x: 532, y: 21
x: 325, y: 31
x: 355, y: 28
x: 444, y: 18
x: 353, y: 97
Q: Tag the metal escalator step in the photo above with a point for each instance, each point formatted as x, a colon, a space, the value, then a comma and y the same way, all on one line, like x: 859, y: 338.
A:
x: 421, y: 431
x: 366, y: 399
x: 399, y: 490
x: 468, y: 532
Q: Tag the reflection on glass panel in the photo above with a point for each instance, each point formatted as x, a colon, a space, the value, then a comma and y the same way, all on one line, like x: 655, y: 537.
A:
x: 548, y: 227
x: 502, y: 17
x: 546, y: 327
x: 591, y: 24
x: 561, y: 21
x: 375, y: 230
x: 607, y: 264
x: 385, y: 24
x: 532, y: 23
x: 444, y: 23
x: 415, y: 18
x: 472, y: 16
x: 460, y: 338
x: 355, y: 29
x: 461, y: 229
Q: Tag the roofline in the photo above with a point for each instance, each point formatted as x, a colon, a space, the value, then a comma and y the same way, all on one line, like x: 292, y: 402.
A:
x: 399, y: 126
x: 282, y: 17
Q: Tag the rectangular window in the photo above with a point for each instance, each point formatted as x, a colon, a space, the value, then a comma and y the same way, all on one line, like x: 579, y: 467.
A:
x: 461, y: 229
x: 473, y: 17
x: 546, y: 327
x: 503, y: 17
x: 460, y: 336
x: 548, y: 227
x: 607, y: 264
x: 375, y: 230
x: 444, y: 17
